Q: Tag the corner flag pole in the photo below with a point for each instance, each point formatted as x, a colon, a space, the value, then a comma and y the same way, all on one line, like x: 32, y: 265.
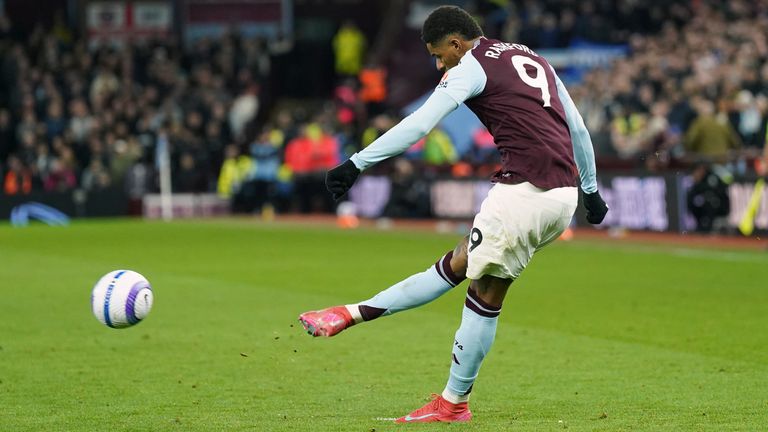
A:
x: 747, y: 224
x: 164, y: 166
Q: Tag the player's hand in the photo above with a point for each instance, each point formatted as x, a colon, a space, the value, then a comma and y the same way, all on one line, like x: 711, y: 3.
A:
x: 596, y: 207
x: 341, y: 178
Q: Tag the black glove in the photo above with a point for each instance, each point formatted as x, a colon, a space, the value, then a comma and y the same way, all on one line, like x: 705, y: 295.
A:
x: 341, y: 178
x: 596, y: 207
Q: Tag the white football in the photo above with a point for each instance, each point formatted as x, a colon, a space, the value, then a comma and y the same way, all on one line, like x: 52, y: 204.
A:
x: 121, y: 299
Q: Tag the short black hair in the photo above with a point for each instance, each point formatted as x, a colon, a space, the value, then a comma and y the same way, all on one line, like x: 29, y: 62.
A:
x: 447, y: 20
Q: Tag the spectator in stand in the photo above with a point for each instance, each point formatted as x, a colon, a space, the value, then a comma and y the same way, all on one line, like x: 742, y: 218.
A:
x: 348, y: 112
x: 18, y: 178
x: 27, y: 127
x: 67, y: 157
x: 214, y: 146
x: 711, y: 136
x: 309, y: 156
x: 409, y: 196
x: 627, y: 132
x: 681, y: 113
x: 438, y: 148
x: 81, y: 123
x: 749, y: 112
x: 262, y: 180
x: 285, y: 128
x: 7, y: 135
x: 188, y: 178
x: 378, y: 126
x: 244, y: 109
x: 373, y: 88
x: 61, y: 178
x: 349, y: 46
x: 43, y: 164
x: 125, y: 153
x: 55, y: 123
x: 27, y: 150
x: 659, y: 140
x: 548, y: 33
x: 95, y: 177
x: 104, y: 86
x: 234, y: 171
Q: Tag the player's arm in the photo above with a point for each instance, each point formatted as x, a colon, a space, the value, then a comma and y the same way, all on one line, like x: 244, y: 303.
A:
x: 461, y: 83
x: 584, y: 155
x: 407, y: 132
x: 395, y: 141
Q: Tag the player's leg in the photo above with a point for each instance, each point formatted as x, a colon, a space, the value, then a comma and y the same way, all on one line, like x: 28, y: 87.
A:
x: 514, y: 222
x: 472, y: 342
x: 418, y: 289
x: 475, y: 335
x: 414, y: 291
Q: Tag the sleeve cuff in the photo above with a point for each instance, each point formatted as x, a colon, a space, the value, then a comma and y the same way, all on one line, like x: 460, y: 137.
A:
x: 358, y: 163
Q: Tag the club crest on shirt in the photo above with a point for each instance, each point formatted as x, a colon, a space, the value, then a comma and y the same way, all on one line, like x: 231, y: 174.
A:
x: 443, y: 81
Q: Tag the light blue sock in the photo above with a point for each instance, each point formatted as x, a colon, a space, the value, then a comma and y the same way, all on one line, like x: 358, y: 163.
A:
x: 414, y: 291
x: 472, y: 342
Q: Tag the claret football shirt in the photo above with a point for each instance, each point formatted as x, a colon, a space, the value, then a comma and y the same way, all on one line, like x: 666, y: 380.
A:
x: 517, y: 95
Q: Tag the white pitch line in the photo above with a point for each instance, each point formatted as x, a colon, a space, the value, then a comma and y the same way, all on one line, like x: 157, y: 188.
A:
x: 761, y: 257
x: 720, y: 256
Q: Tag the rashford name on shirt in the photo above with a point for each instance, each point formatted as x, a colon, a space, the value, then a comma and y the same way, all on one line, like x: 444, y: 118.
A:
x: 495, y: 50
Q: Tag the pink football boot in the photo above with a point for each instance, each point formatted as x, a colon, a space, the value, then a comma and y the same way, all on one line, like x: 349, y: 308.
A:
x: 439, y: 410
x: 326, y: 322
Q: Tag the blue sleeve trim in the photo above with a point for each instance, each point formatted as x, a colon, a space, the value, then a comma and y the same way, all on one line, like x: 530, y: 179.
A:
x: 583, y: 153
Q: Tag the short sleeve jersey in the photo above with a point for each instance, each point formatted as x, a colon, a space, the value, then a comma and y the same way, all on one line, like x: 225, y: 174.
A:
x: 513, y: 92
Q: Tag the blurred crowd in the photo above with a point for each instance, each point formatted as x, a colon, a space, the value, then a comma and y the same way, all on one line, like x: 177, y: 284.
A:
x: 91, y: 118
x: 560, y: 23
x: 694, y: 86
x: 696, y: 89
x: 94, y: 118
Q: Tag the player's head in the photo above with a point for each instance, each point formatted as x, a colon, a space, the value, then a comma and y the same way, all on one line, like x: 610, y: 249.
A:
x: 448, y: 32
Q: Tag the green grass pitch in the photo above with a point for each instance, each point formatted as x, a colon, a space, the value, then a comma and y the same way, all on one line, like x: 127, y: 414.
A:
x: 593, y: 337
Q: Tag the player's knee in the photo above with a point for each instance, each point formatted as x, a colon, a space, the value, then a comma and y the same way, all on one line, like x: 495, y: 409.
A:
x: 491, y: 289
x: 459, y: 258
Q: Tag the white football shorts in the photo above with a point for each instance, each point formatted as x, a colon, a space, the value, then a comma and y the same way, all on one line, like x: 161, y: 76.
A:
x: 514, y: 222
